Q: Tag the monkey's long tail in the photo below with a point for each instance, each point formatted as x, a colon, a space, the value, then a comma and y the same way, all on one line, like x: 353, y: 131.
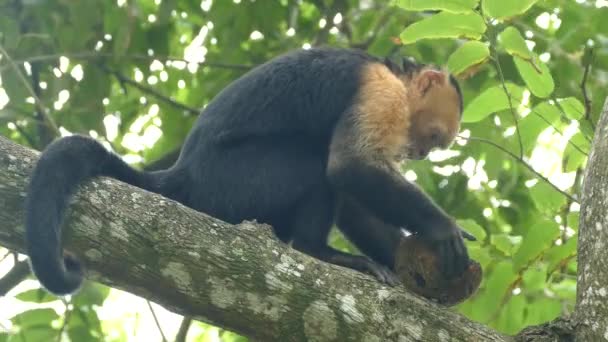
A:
x: 62, y: 167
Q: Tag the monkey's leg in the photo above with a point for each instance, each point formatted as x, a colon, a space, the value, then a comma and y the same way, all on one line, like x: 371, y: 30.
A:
x: 372, y: 236
x: 312, y: 222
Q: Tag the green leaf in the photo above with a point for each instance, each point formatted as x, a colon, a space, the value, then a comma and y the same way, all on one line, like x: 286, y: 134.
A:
x: 565, y: 289
x: 505, y: 243
x: 543, y: 310
x: 91, y: 294
x: 445, y: 25
x: 9, y: 32
x: 512, y: 40
x: 36, y: 296
x: 468, y: 55
x: 538, y: 239
x: 84, y: 325
x: 573, y: 157
x: 164, y: 11
x: 228, y: 336
x: 533, y: 278
x: 536, y: 75
x: 35, y: 317
x: 490, y: 101
x: 573, y: 108
x: 36, y: 333
x: 472, y: 227
x: 501, y: 9
x: 480, y: 254
x: 512, y: 315
x: 573, y: 219
x: 81, y: 333
x: 499, y: 280
x: 538, y: 120
x: 455, y: 6
x: 13, y: 84
x: 558, y: 254
x: 546, y: 198
x: 86, y: 111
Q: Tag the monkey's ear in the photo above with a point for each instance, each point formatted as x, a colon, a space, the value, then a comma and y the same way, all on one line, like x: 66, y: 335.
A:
x: 428, y: 79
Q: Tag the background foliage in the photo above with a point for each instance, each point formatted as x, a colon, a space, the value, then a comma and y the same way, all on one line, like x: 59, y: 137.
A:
x: 133, y: 74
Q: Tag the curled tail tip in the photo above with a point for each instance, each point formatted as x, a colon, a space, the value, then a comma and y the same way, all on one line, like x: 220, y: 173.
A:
x: 64, y: 281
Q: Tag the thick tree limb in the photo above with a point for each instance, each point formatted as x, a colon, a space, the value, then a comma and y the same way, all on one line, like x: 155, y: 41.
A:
x: 14, y: 277
x: 592, y: 287
x: 237, y: 277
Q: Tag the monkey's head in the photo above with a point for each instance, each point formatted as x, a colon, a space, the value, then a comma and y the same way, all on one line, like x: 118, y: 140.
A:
x: 436, y: 110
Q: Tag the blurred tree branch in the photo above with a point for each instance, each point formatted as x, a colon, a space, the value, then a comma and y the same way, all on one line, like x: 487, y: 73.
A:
x: 14, y: 277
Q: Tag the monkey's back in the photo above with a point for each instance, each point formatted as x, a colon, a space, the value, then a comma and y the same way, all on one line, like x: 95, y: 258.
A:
x: 300, y: 93
x: 273, y: 124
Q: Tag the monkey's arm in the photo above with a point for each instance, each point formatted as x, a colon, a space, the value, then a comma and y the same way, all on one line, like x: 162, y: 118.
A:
x: 375, y: 238
x: 369, y: 178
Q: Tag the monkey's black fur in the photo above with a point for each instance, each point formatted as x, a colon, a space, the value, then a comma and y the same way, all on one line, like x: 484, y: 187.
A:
x: 259, y: 150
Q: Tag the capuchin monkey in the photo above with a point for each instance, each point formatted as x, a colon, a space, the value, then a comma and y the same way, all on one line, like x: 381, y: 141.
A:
x: 306, y: 140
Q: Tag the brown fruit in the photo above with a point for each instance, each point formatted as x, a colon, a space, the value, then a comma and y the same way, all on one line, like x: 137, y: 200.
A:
x: 417, y: 265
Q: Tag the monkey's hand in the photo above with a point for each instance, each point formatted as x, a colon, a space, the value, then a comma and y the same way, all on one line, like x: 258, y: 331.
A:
x: 447, y: 241
x: 365, y: 265
x: 382, y: 273
x: 416, y: 264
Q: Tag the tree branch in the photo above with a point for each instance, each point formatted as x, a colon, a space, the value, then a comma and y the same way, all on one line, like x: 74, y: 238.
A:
x: 124, y: 79
x: 524, y: 163
x: 591, y: 309
x: 100, y: 56
x: 239, y: 277
x: 182, y: 333
x: 40, y: 107
x: 14, y: 277
x: 587, y: 63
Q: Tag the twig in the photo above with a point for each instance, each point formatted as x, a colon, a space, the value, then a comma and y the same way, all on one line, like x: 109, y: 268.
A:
x: 522, y: 161
x: 66, y: 319
x: 182, y: 333
x: 45, y: 135
x: 94, y: 55
x: 25, y: 135
x: 5, y: 255
x: 512, y: 109
x: 124, y: 79
x: 576, y: 147
x: 586, y: 99
x: 494, y: 56
x: 563, y: 112
x: 156, y: 321
x: 41, y: 108
x: 380, y: 24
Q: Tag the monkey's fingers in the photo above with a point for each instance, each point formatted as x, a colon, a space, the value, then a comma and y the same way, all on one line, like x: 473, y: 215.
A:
x: 454, y: 258
x: 383, y: 274
x: 462, y: 256
x: 445, y: 258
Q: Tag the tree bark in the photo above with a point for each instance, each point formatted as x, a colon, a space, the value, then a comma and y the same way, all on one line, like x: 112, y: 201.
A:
x: 242, y: 278
x: 237, y: 277
x: 592, y: 282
